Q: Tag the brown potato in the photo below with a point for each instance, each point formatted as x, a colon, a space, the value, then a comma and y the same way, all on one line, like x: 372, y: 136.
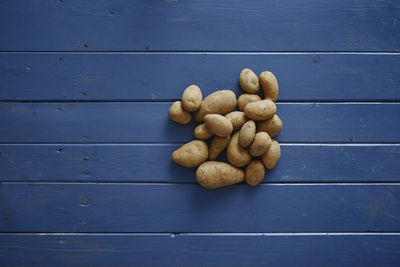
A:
x: 218, y: 124
x: 261, y: 110
x: 247, y: 133
x: 214, y: 174
x: 269, y: 85
x: 271, y: 157
x: 238, y: 118
x: 191, y: 154
x: 244, y: 99
x: 236, y: 154
x: 217, y: 145
x: 255, y: 172
x: 219, y: 102
x: 248, y: 80
x: 202, y: 132
x: 191, y: 98
x: 178, y: 114
x: 272, y: 126
x: 260, y: 145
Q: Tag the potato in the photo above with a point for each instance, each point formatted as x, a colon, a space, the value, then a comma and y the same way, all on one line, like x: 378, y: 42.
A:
x: 191, y: 98
x: 178, y: 114
x: 219, y: 102
x: 244, y: 99
x: 202, y: 132
x: 217, y: 145
x: 269, y: 85
x: 237, y: 118
x: 214, y: 174
x: 272, y: 126
x: 218, y: 124
x: 260, y: 145
x: 248, y: 80
x: 247, y: 133
x: 236, y: 154
x: 255, y: 172
x: 260, y: 110
x: 271, y: 157
x: 191, y: 154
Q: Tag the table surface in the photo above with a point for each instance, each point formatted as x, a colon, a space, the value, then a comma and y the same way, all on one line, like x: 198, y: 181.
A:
x: 85, y: 139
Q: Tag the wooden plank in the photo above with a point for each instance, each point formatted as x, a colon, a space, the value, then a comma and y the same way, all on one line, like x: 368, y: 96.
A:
x: 133, y: 76
x: 210, y: 25
x: 83, y: 207
x: 134, y: 163
x: 149, y: 122
x: 199, y: 250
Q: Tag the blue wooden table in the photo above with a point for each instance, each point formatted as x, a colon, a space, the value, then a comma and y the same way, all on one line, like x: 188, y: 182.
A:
x: 85, y: 139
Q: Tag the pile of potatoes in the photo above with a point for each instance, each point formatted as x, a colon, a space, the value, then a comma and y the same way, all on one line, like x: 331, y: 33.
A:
x: 245, y: 133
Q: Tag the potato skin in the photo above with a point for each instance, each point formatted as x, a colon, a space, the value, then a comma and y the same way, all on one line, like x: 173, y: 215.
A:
x: 247, y: 133
x: 269, y: 85
x: 254, y: 173
x: 261, y: 110
x: 260, y: 145
x: 236, y: 154
x: 178, y: 114
x: 272, y: 126
x: 214, y: 174
x: 217, y: 145
x: 218, y: 124
x: 244, y: 99
x: 191, y: 154
x: 271, y: 157
x: 248, y: 80
x: 202, y: 132
x: 219, y: 102
x: 237, y: 118
x: 191, y: 98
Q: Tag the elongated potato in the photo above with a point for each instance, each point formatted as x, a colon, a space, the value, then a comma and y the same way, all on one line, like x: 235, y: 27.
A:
x: 247, y: 133
x: 272, y: 126
x: 191, y: 98
x: 214, y: 174
x: 202, y: 132
x: 248, y: 80
x: 269, y: 85
x: 244, y: 99
x: 237, y: 118
x: 271, y: 157
x: 191, y: 154
x: 217, y: 145
x: 178, y: 114
x: 236, y: 154
x: 255, y: 172
x: 219, y: 102
x: 218, y: 124
x: 261, y: 110
x: 260, y: 145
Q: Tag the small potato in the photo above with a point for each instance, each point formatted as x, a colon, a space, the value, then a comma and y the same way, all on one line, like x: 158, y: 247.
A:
x: 244, y: 99
x: 271, y: 157
x: 202, y: 132
x: 238, y: 118
x: 217, y: 145
x: 214, y: 174
x: 247, y: 133
x: 191, y: 98
x: 236, y: 154
x: 272, y: 126
x: 219, y: 102
x: 261, y: 110
x: 255, y: 172
x: 260, y: 145
x: 218, y: 124
x: 248, y: 80
x: 269, y: 85
x: 191, y: 154
x: 178, y: 114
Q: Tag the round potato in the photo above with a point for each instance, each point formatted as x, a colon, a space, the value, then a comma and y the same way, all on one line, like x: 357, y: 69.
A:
x: 247, y: 133
x: 214, y: 174
x: 269, y: 85
x: 218, y: 124
x: 236, y: 154
x: 248, y: 80
x: 255, y: 172
x: 271, y: 157
x: 202, y: 132
x: 191, y: 154
x: 217, y: 145
x: 244, y: 99
x: 219, y: 102
x: 237, y: 118
x: 272, y: 126
x: 260, y: 145
x: 191, y: 98
x: 261, y: 110
x: 178, y: 114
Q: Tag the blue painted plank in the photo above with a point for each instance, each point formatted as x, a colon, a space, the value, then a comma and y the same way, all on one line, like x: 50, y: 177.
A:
x: 127, y: 76
x: 199, y: 250
x: 254, y: 25
x: 83, y: 207
x: 135, y: 163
